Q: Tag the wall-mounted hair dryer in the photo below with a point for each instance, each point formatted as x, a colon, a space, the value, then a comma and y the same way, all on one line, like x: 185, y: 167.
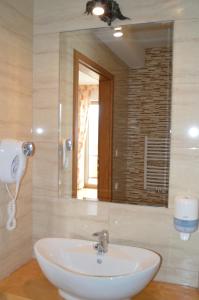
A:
x: 13, y: 156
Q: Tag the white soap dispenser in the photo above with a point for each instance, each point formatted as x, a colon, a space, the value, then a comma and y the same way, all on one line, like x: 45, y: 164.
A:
x: 186, y: 218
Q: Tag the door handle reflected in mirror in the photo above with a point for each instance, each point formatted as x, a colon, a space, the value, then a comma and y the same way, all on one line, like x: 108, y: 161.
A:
x: 67, y: 147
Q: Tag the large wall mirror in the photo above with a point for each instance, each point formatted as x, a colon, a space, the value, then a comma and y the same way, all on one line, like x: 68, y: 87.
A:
x: 115, y: 113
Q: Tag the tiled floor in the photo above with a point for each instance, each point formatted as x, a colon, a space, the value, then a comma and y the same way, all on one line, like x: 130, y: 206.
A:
x: 28, y: 282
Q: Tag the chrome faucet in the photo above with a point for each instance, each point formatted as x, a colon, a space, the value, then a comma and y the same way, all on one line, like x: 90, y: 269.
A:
x: 103, y: 239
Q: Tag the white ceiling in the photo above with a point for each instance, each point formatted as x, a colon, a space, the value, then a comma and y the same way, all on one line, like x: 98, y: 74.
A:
x: 130, y: 48
x: 85, y: 79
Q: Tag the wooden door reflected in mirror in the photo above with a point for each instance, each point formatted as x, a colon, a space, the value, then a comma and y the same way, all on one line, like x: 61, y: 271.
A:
x: 92, y: 130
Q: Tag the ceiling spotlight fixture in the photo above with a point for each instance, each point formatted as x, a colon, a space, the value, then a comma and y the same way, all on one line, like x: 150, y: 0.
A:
x: 98, y: 9
x: 119, y: 28
x: 118, y: 34
x: 107, y: 10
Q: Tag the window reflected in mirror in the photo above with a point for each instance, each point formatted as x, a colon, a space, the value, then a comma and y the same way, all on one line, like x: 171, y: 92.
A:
x: 88, y: 124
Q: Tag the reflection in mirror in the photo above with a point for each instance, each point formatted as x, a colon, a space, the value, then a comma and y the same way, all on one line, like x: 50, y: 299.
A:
x: 115, y: 105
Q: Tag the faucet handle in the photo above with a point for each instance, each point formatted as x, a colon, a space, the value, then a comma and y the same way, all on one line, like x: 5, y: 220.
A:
x: 102, y: 234
x: 95, y: 234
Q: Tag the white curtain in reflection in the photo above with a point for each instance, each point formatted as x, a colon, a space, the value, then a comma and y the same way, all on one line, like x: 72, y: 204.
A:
x: 83, y: 109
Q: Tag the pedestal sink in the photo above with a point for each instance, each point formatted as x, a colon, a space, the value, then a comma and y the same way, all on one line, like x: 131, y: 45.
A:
x: 74, y: 267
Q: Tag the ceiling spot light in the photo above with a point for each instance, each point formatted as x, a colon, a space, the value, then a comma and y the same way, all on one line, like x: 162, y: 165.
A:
x: 118, y: 34
x: 98, y: 10
x: 118, y: 28
x: 107, y: 10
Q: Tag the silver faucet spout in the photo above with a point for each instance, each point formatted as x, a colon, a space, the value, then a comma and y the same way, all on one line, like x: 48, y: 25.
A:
x: 103, y: 240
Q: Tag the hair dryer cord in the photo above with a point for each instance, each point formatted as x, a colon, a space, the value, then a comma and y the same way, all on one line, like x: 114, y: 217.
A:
x: 11, y: 223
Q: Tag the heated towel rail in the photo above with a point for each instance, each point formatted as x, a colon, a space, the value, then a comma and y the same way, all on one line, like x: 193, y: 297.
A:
x: 156, y: 164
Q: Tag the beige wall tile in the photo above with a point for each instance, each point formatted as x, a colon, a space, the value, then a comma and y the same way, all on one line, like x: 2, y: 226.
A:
x: 178, y: 276
x: 16, y: 18
x: 44, y: 169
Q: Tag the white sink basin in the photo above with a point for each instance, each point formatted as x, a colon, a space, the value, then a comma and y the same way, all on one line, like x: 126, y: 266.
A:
x: 75, y: 269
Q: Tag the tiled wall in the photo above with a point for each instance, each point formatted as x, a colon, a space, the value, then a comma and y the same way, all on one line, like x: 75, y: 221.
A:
x: 145, y: 226
x: 147, y: 114
x: 16, y: 32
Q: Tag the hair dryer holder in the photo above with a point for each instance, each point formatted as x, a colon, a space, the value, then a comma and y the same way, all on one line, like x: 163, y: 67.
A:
x: 13, y: 157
